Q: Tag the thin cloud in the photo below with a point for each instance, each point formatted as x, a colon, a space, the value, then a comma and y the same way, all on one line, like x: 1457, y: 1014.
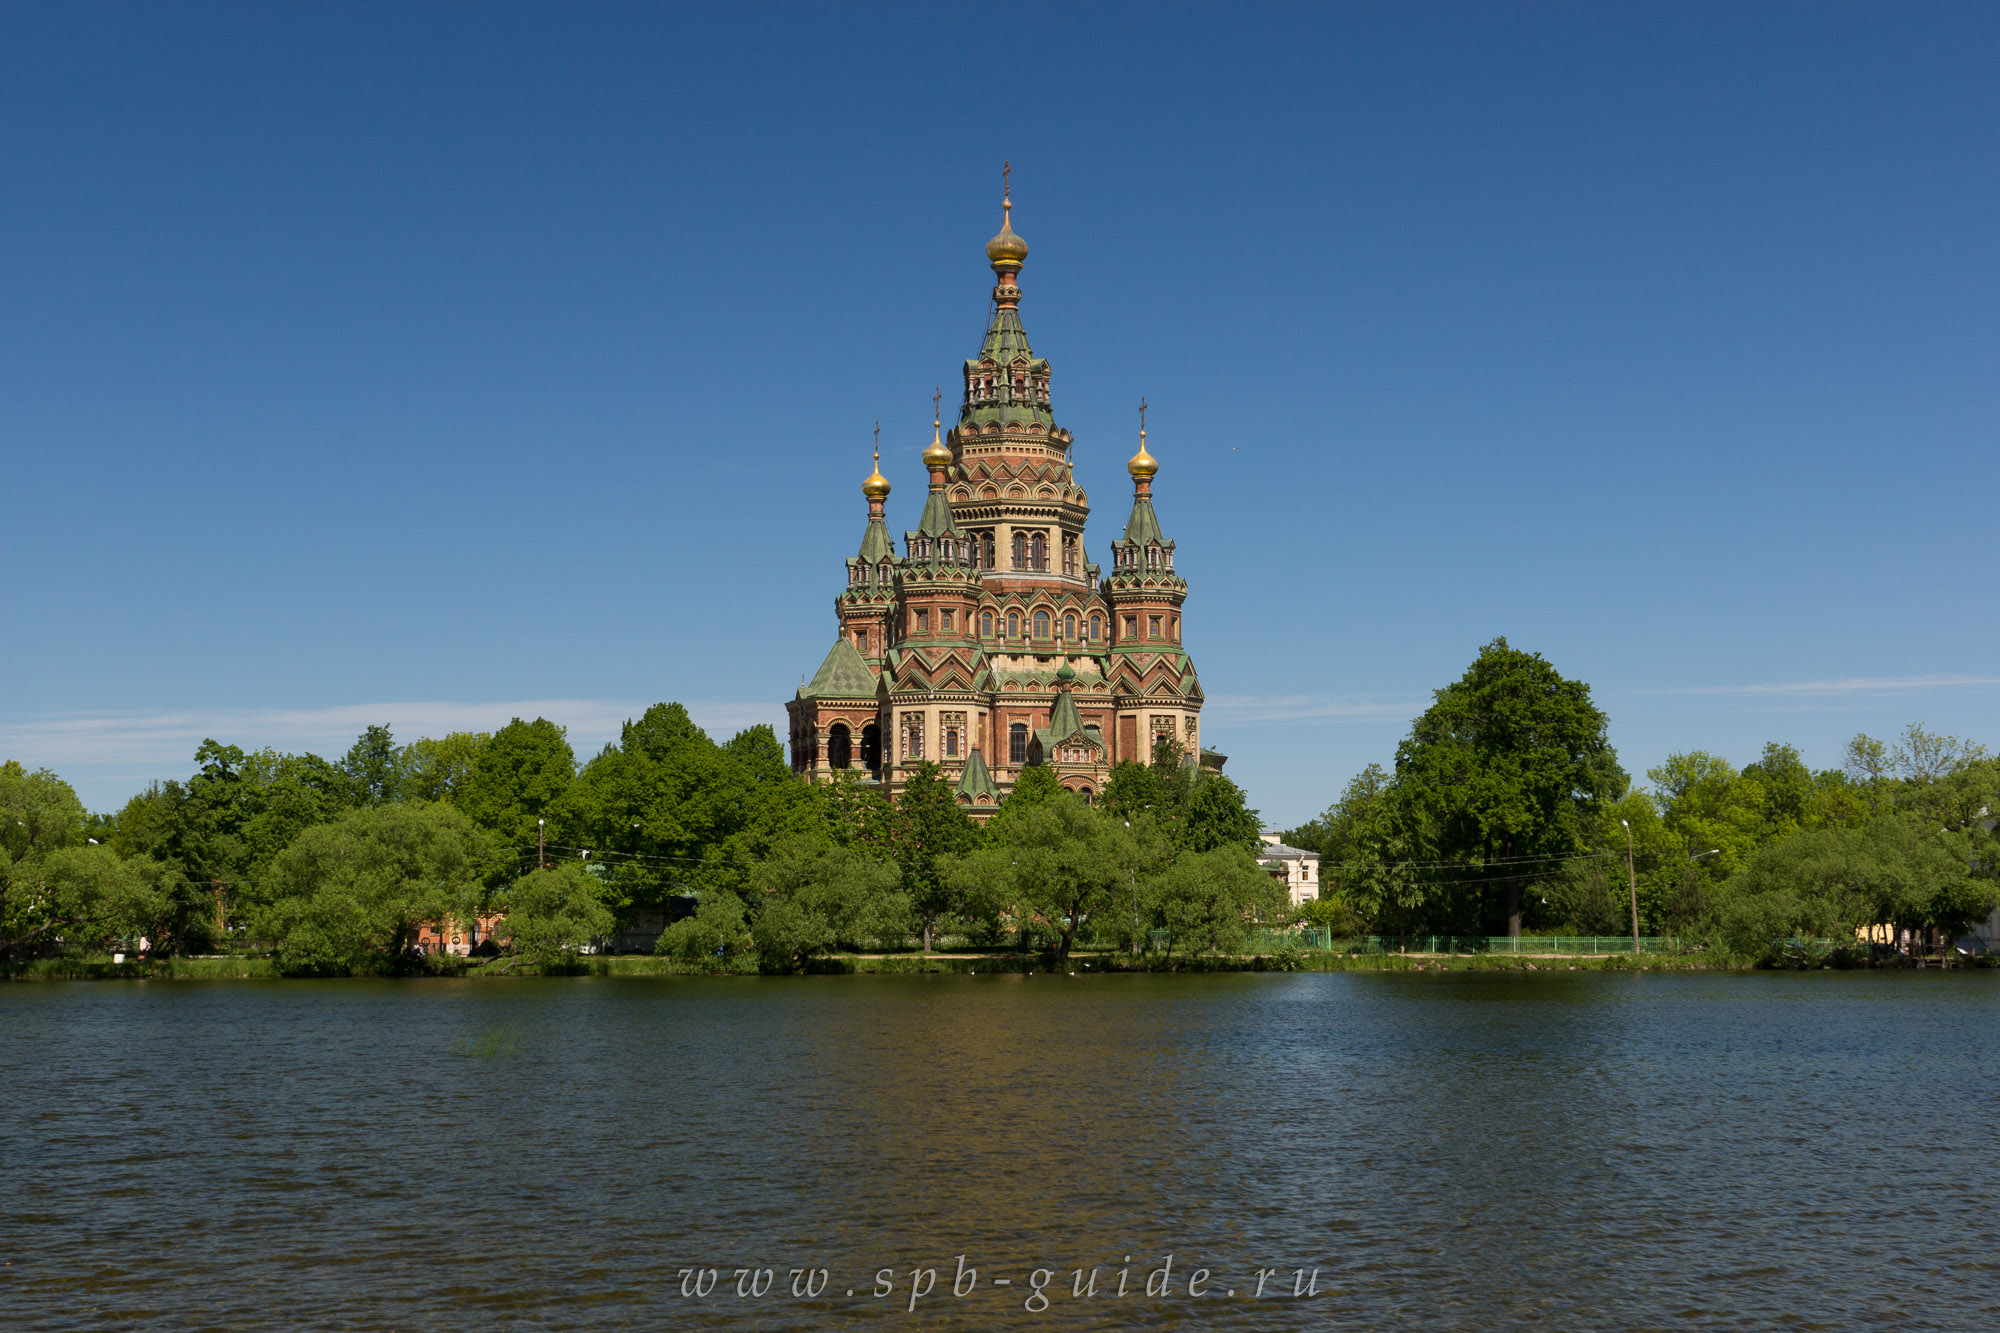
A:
x: 1248, y: 709
x: 1834, y: 689
x: 142, y: 740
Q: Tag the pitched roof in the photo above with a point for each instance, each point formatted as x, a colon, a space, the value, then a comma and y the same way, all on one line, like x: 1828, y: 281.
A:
x: 876, y: 545
x: 975, y: 781
x: 1144, y: 525
x: 843, y: 675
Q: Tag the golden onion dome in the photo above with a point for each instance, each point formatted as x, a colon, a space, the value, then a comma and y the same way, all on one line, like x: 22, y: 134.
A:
x: 937, y: 455
x: 1142, y: 464
x: 877, y: 485
x: 1006, y: 248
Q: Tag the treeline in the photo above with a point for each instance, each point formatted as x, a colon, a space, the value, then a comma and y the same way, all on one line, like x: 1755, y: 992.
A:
x: 334, y: 865
x: 1507, y: 806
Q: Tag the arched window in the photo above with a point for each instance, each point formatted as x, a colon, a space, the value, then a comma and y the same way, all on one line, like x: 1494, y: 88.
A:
x: 1013, y: 624
x: 1152, y: 557
x: 1038, y: 551
x: 985, y: 624
x: 988, y: 543
x: 1041, y: 624
x: 1020, y: 550
x: 1096, y: 629
x: 839, y: 746
x: 1069, y: 628
x: 871, y: 748
x: 1017, y: 743
x: 1084, y: 792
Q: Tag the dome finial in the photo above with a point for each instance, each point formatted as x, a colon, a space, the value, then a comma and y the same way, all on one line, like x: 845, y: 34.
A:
x: 1006, y: 250
x: 877, y: 485
x: 1142, y: 465
x: 937, y: 456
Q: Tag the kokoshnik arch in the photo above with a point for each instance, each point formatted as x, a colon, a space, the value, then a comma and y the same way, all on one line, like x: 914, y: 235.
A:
x: 991, y: 642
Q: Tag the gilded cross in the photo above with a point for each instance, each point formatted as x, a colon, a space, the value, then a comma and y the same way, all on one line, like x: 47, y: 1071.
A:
x: 1142, y: 416
x: 937, y: 396
x: 1006, y: 181
x: 878, y: 441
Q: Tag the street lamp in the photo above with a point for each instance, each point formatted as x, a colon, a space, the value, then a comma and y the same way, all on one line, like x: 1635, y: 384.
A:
x: 1632, y: 876
x: 542, y: 846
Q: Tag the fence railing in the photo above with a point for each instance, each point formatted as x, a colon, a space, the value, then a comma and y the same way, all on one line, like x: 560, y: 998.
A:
x: 1325, y: 941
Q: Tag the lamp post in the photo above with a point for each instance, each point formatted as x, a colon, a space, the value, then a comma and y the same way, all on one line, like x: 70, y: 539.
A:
x: 1133, y: 873
x: 542, y: 846
x: 1632, y: 877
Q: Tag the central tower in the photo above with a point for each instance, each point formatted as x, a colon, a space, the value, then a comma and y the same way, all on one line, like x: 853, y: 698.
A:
x: 993, y: 642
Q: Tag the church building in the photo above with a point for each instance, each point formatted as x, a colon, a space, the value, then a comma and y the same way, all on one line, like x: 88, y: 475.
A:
x: 991, y: 641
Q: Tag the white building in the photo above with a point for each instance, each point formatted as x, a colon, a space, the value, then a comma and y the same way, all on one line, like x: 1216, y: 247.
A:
x: 1296, y: 867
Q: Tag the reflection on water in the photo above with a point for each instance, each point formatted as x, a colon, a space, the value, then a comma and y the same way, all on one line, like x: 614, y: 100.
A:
x: 1458, y: 1151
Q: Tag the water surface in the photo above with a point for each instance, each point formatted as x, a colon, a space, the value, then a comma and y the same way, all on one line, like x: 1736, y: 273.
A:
x: 1466, y: 1150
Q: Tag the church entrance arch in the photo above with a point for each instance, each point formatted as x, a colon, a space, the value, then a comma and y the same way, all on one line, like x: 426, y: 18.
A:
x: 839, y: 746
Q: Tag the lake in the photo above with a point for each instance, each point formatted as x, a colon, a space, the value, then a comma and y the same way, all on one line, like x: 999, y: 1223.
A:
x: 1466, y: 1150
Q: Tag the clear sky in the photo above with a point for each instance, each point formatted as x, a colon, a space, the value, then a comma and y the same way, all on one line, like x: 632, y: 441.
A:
x: 430, y: 363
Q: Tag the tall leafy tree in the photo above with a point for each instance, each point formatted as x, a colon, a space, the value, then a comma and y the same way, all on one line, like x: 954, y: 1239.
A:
x: 1503, y: 771
x: 930, y: 829
x: 375, y: 767
x: 440, y: 769
x: 518, y: 779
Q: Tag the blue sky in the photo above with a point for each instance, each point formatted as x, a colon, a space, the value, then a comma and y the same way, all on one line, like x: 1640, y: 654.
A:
x: 430, y: 363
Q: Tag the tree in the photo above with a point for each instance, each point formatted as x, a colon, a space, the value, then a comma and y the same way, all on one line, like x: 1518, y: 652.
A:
x: 930, y: 828
x: 553, y: 914
x: 1216, y: 815
x: 1036, y: 785
x: 706, y: 941
x: 1924, y: 756
x: 517, y: 779
x: 439, y: 770
x: 812, y: 894
x: 1210, y: 899
x: 374, y: 767
x: 355, y: 891
x: 1059, y: 862
x: 1824, y: 883
x: 78, y: 898
x: 1503, y: 771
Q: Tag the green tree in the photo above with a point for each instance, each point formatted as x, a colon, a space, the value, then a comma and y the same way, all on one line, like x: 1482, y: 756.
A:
x: 553, y: 914
x: 708, y: 941
x: 1216, y: 816
x: 76, y: 898
x: 374, y: 767
x: 439, y: 770
x: 517, y: 779
x: 931, y: 828
x: 812, y: 895
x: 354, y: 892
x: 1060, y: 863
x: 1503, y: 772
x: 1036, y: 785
x: 1211, y: 899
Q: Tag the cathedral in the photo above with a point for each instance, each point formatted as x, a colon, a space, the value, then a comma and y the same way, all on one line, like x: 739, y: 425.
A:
x: 991, y: 641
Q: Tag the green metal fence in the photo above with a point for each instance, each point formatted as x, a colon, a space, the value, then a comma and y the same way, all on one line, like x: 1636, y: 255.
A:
x: 1324, y: 940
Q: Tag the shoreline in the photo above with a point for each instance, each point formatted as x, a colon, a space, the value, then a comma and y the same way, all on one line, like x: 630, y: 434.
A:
x: 251, y: 967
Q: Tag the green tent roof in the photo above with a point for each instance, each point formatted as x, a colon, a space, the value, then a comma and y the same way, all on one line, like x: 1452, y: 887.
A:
x: 843, y: 675
x: 975, y: 781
